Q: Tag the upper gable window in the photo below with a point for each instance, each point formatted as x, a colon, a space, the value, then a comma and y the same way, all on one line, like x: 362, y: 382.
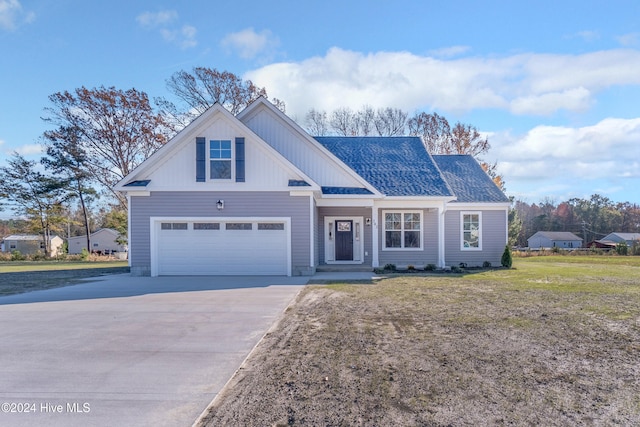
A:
x: 220, y: 159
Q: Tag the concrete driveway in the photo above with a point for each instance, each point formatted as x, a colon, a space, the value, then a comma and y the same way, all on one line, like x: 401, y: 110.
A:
x: 130, y: 351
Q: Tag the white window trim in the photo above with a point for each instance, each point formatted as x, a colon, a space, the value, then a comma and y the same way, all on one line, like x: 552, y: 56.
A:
x: 402, y: 230
x: 462, y: 215
x: 232, y: 160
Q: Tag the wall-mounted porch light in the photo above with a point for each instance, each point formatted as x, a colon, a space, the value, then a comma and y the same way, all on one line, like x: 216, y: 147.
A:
x: 220, y: 204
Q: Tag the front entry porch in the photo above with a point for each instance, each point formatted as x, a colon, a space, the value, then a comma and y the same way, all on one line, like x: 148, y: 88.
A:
x: 344, y: 240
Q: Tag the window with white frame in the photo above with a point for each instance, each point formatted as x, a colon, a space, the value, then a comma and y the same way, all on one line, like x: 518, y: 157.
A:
x: 220, y: 159
x: 471, y: 227
x: 402, y: 230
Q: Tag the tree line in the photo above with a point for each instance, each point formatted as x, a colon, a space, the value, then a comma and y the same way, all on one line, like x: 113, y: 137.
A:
x: 591, y: 219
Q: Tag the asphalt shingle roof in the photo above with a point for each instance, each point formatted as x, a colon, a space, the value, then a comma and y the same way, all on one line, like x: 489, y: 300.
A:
x: 468, y: 180
x: 395, y: 166
x: 345, y: 190
x: 556, y: 235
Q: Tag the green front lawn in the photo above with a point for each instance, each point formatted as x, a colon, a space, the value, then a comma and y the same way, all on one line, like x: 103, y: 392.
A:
x: 26, y: 266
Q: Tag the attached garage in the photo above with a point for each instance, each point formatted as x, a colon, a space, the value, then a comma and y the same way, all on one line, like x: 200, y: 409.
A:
x: 220, y: 246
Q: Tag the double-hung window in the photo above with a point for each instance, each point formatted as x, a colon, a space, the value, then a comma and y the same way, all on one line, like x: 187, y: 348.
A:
x: 471, y: 227
x: 220, y: 159
x: 402, y: 230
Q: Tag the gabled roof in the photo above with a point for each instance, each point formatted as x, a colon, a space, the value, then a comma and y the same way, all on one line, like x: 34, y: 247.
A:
x: 624, y: 236
x: 468, y: 180
x: 310, y: 145
x: 395, y: 166
x: 556, y: 235
x: 27, y: 237
x: 138, y: 178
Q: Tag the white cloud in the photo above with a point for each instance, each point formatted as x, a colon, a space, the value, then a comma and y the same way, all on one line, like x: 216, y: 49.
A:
x: 538, y: 84
x: 587, y: 35
x: 575, y: 99
x: 631, y: 39
x: 12, y: 15
x: 30, y: 149
x: 572, y: 161
x: 154, y: 19
x: 249, y: 44
x: 451, y: 51
x: 165, y: 21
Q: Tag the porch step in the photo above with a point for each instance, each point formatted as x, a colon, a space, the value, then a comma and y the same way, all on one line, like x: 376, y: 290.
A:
x: 326, y: 268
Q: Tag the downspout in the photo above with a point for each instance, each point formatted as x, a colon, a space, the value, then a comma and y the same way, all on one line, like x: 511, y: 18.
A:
x: 312, y: 240
x: 375, y: 259
x: 129, y: 229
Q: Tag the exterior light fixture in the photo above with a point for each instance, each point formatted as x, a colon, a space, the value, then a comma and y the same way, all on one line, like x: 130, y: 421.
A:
x: 220, y: 204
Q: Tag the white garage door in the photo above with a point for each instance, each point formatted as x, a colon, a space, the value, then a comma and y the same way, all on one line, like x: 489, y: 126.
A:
x: 215, y: 247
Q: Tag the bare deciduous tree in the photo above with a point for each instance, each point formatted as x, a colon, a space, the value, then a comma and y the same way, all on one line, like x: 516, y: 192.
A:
x: 205, y: 86
x: 316, y: 122
x: 117, y: 129
x: 433, y: 129
x: 390, y: 121
x: 365, y: 120
x: 343, y: 122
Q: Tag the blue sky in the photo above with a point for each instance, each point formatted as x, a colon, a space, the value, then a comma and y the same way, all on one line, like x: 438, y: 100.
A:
x: 554, y: 84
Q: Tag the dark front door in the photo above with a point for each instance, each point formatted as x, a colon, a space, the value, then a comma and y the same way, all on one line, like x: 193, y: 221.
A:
x: 344, y: 240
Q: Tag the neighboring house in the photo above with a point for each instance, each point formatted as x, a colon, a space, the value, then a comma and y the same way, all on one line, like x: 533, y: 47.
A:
x: 28, y: 244
x: 102, y: 241
x: 601, y: 244
x: 554, y: 239
x: 255, y: 194
x: 628, y: 238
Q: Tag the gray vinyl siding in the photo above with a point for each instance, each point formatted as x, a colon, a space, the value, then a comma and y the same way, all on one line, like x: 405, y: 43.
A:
x: 494, y: 239
x: 347, y: 212
x: 203, y: 204
x: 419, y: 257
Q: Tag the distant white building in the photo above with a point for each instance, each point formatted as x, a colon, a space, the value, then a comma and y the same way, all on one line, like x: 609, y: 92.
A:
x: 102, y: 241
x: 554, y: 239
x: 29, y: 244
x: 628, y: 238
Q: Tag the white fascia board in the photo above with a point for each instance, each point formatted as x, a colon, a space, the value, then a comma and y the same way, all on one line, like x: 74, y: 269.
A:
x: 342, y: 202
x: 136, y: 193
x: 307, y: 192
x: 413, y: 202
x: 479, y: 206
x: 297, y: 129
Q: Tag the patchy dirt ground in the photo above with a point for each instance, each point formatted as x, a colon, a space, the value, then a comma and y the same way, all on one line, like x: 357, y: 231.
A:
x: 17, y: 283
x: 419, y: 351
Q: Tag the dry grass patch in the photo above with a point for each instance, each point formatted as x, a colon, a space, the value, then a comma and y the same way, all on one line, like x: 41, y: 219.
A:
x: 544, y: 344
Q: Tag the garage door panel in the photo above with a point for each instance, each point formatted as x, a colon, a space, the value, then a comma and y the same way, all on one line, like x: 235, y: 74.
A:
x: 223, y: 252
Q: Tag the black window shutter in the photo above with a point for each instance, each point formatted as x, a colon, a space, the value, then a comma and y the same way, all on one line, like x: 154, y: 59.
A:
x: 201, y: 162
x: 239, y: 159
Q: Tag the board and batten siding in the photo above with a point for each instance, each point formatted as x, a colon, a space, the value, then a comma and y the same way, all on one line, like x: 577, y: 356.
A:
x: 203, y: 204
x: 494, y: 238
x: 310, y: 158
x: 323, y: 212
x: 419, y: 258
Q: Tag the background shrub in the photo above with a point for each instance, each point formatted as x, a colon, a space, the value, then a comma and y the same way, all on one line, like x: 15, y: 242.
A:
x: 506, y: 259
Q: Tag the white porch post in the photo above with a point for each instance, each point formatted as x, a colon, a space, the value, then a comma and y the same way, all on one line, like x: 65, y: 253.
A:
x: 441, y: 212
x: 375, y: 260
x: 129, y: 230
